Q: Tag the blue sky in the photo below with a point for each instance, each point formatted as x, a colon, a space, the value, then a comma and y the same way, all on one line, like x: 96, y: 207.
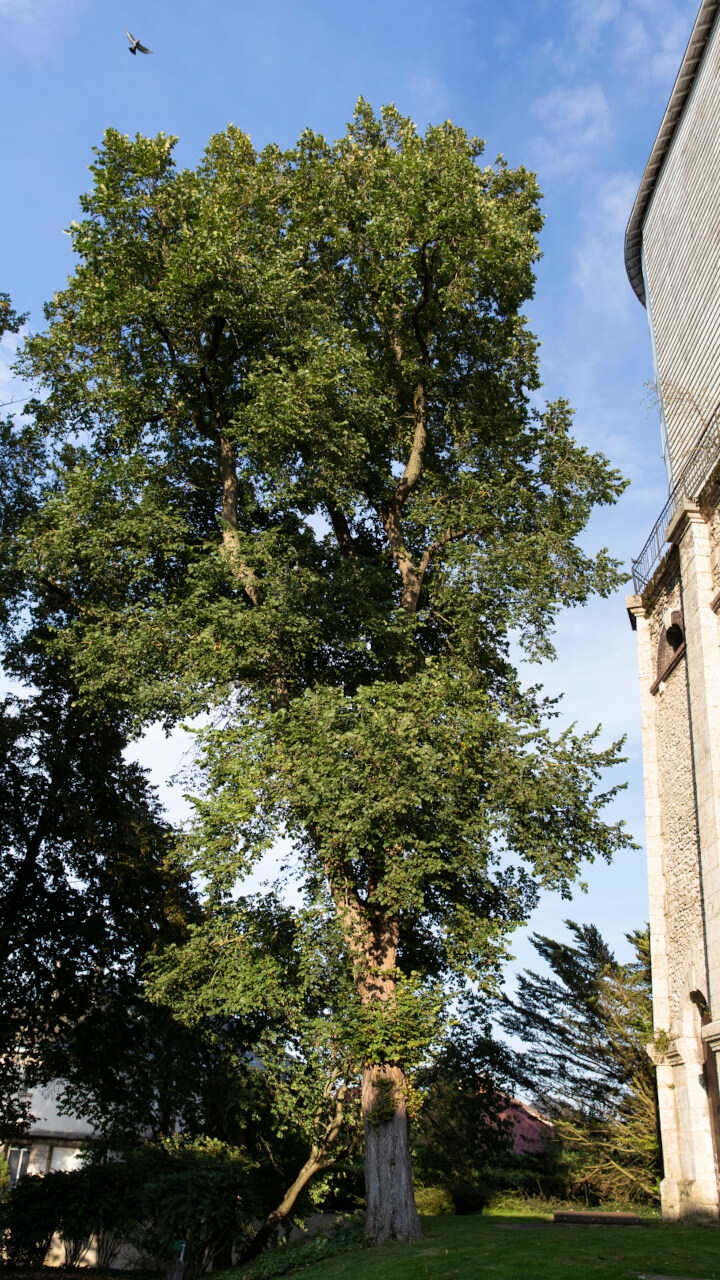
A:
x: 574, y: 89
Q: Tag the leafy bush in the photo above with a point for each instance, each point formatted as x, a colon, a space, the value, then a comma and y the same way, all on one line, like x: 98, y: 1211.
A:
x: 469, y: 1197
x: 29, y: 1216
x: 284, y: 1260
x: 195, y: 1192
x: 526, y: 1176
x: 97, y: 1201
x: 458, y: 1132
x: 4, y: 1177
x: 434, y: 1201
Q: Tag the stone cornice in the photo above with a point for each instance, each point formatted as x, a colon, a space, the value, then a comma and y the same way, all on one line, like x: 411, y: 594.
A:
x: 701, y: 32
x: 635, y: 609
x: 711, y: 1035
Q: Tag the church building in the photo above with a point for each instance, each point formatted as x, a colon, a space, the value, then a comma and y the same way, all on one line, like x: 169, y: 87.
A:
x: 672, y: 253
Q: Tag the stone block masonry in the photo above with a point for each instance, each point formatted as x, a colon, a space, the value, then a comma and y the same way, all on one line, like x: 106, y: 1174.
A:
x: 672, y: 252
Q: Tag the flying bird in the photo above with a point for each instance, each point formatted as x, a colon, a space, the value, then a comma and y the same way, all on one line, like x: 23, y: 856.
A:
x: 135, y: 45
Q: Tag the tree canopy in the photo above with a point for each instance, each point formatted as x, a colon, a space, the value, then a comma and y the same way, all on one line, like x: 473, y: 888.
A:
x: 86, y: 892
x: 288, y: 462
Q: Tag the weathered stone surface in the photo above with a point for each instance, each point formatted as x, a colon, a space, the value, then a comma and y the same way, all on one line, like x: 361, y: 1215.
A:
x: 681, y: 748
x: 680, y: 696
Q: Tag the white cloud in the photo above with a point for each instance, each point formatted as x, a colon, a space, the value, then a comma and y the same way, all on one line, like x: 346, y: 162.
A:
x: 576, y: 121
x: 648, y: 36
x: 599, y: 270
x: 580, y: 113
x: 31, y: 25
x: 588, y: 18
x: 666, y: 56
x: 30, y: 12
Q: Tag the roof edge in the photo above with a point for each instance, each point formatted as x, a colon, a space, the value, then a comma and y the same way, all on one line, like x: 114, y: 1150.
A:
x: 697, y: 44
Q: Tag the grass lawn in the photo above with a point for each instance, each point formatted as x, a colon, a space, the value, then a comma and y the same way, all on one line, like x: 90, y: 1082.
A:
x: 496, y: 1247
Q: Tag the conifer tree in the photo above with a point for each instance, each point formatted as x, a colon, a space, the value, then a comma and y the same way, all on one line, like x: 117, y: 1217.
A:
x: 587, y: 1023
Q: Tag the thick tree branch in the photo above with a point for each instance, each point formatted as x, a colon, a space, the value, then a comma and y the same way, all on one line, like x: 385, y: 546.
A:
x: 450, y: 535
x: 415, y: 463
x: 316, y: 1162
x: 215, y: 336
x: 27, y: 869
x: 230, y: 529
x: 198, y: 419
x: 341, y: 529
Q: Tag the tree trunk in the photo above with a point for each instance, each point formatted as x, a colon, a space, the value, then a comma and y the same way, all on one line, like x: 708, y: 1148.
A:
x: 391, y: 1211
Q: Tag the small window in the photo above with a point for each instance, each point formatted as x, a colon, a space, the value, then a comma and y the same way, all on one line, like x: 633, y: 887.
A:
x: 672, y: 640
x: 66, y: 1158
x: 18, y: 1158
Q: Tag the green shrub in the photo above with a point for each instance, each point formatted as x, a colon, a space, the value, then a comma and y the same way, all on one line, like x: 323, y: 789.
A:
x: 285, y: 1259
x: 98, y: 1201
x: 469, y: 1197
x: 433, y: 1201
x: 29, y: 1216
x: 4, y: 1177
x: 193, y: 1193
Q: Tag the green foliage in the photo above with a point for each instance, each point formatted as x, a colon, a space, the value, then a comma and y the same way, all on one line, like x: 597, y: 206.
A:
x: 283, y: 971
x: 459, y: 1139
x: 661, y: 1043
x: 383, y: 1108
x: 4, y: 1177
x: 86, y: 890
x: 286, y: 465
x: 588, y: 1023
x: 10, y: 321
x: 282, y: 1261
x: 97, y: 1200
x: 29, y: 1216
x: 198, y: 1191
x: 433, y: 1201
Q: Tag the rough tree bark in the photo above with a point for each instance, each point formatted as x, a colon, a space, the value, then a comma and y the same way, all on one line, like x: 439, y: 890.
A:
x: 391, y: 1209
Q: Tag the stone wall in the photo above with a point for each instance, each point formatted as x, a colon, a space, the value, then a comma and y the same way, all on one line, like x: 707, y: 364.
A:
x: 683, y: 899
x: 680, y: 698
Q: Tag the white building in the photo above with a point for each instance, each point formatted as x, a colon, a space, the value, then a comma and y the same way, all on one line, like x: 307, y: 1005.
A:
x: 54, y: 1141
x: 673, y: 261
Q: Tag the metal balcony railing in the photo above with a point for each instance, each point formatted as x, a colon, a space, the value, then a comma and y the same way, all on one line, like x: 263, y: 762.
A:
x: 689, y: 484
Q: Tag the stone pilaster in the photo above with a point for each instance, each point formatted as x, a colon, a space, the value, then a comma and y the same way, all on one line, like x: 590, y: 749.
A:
x: 689, y: 531
x: 653, y: 814
x: 666, y: 1073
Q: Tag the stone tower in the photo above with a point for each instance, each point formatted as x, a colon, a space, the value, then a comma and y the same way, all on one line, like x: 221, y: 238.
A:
x: 672, y: 253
